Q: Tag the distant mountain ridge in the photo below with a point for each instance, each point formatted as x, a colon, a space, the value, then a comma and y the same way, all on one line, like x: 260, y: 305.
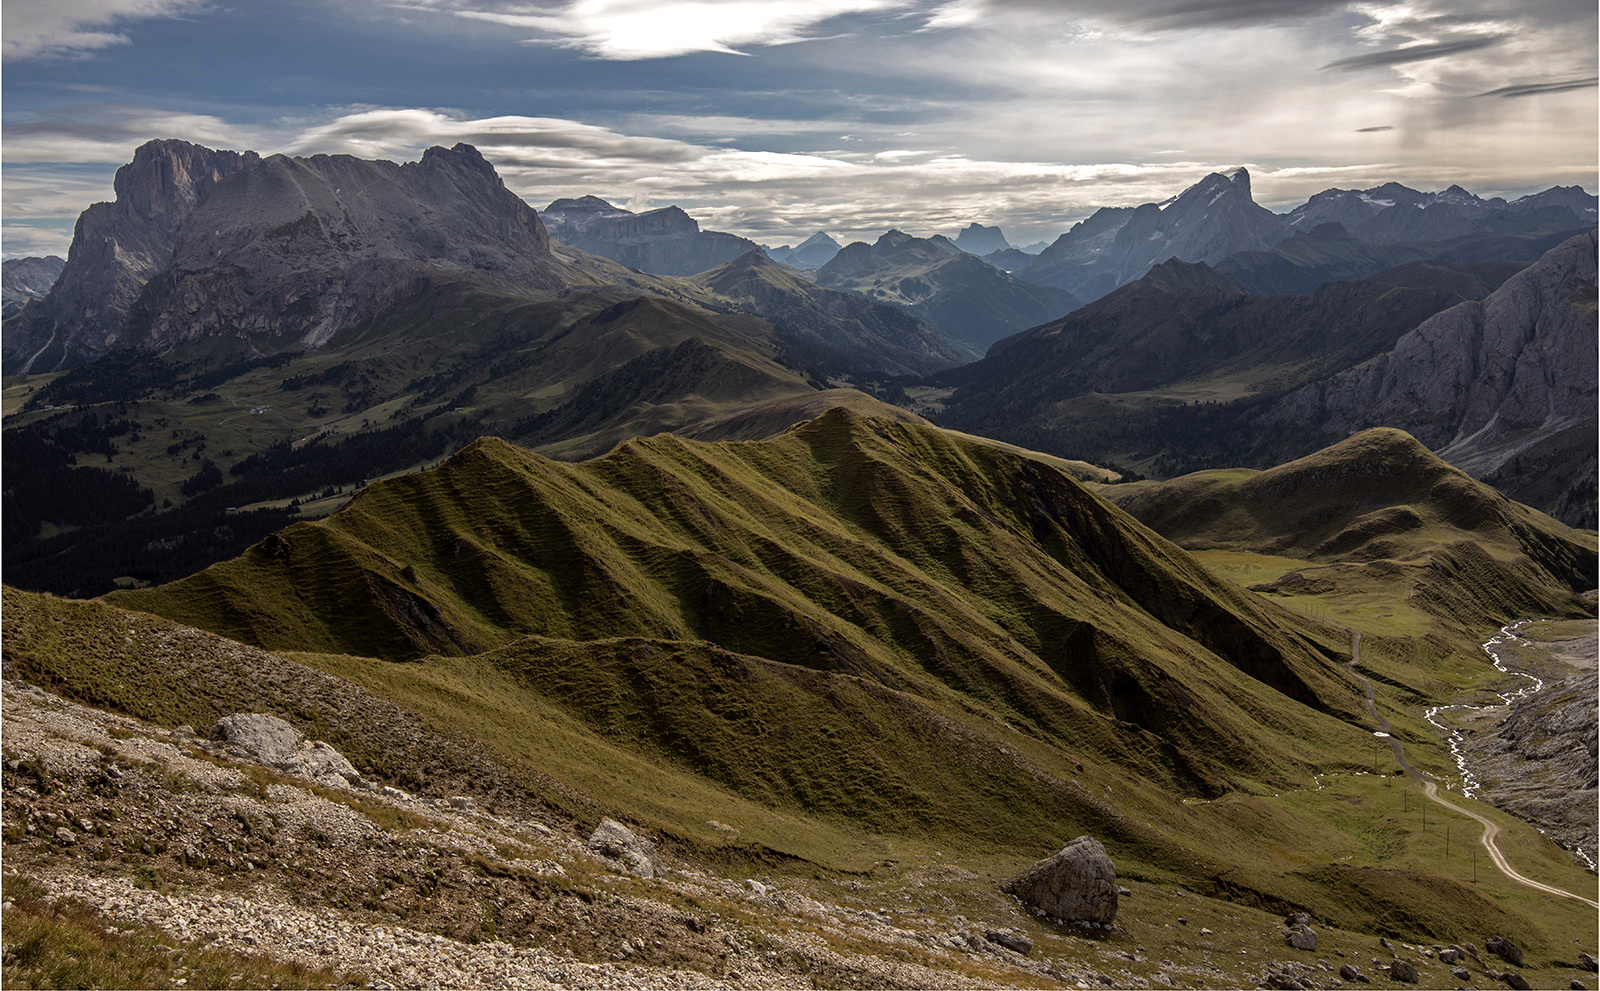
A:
x: 663, y: 242
x: 964, y: 296
x: 1504, y: 388
x: 1207, y: 222
x: 810, y: 254
x: 27, y: 279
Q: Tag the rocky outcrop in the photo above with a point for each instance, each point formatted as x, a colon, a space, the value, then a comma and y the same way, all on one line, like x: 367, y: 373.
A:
x: 1505, y: 949
x: 301, y: 248
x: 664, y: 242
x: 25, y: 279
x: 270, y: 741
x: 1077, y: 884
x: 202, y: 243
x: 632, y: 852
x: 1490, y: 384
x: 117, y: 248
x: 1214, y: 218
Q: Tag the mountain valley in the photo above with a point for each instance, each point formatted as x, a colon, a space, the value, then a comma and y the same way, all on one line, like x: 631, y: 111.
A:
x: 405, y: 586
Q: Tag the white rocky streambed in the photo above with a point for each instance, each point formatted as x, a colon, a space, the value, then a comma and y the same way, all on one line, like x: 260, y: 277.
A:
x: 1534, y: 753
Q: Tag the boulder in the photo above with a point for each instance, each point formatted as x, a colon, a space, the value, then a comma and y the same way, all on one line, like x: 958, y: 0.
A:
x: 1298, y: 919
x: 1076, y: 884
x: 1589, y: 962
x: 1403, y: 970
x: 270, y: 741
x: 1451, y: 955
x: 1011, y: 939
x: 1505, y: 949
x: 1302, y: 938
x: 1348, y: 972
x: 1515, y: 981
x: 616, y: 842
x: 1461, y: 974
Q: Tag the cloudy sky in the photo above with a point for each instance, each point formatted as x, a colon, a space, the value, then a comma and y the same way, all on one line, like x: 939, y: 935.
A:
x: 778, y: 118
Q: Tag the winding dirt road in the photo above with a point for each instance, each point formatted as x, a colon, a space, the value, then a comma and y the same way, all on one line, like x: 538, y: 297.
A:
x: 1430, y: 787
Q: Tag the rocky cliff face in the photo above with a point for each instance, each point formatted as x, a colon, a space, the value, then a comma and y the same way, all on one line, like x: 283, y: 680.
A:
x: 117, y: 247
x: 1209, y: 221
x: 203, y: 242
x: 1486, y: 381
x: 26, y: 279
x: 301, y: 248
x: 664, y: 242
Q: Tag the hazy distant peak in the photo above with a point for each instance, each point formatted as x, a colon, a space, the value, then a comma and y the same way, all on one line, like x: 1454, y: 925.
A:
x: 819, y: 239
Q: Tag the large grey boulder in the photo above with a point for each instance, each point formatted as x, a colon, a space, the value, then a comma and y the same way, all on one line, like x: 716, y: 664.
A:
x: 1302, y: 938
x: 1077, y: 884
x: 1403, y: 970
x: 270, y: 741
x: 616, y: 842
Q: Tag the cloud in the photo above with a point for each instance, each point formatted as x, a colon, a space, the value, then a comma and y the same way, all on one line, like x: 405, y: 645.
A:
x: 1369, y: 130
x: 42, y: 28
x: 649, y: 29
x: 1146, y: 15
x: 22, y: 240
x: 109, y: 132
x: 1534, y: 89
x: 1411, y: 53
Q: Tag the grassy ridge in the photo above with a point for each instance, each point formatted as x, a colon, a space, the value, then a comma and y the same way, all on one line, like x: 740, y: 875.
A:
x: 1382, y: 527
x: 864, y: 640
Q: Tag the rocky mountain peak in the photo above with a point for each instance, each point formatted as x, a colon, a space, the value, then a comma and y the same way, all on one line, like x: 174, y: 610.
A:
x: 167, y: 177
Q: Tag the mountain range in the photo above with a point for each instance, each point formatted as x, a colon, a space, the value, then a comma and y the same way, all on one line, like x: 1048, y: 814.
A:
x: 1183, y: 370
x: 664, y: 242
x: 967, y: 298
x: 665, y: 629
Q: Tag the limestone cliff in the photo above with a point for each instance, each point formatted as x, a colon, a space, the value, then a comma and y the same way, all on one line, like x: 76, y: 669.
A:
x: 1488, y: 383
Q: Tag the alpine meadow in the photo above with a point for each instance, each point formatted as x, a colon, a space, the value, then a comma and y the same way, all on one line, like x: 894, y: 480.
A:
x: 868, y: 494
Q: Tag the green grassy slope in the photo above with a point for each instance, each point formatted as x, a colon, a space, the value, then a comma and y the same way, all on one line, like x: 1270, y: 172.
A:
x: 861, y: 640
x: 853, y: 546
x: 1379, y: 516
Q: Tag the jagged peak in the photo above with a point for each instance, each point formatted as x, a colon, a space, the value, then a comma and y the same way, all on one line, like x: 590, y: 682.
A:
x: 1178, y: 275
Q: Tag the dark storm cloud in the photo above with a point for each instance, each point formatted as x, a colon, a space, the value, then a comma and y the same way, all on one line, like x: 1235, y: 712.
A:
x: 1534, y: 89
x: 1411, y: 53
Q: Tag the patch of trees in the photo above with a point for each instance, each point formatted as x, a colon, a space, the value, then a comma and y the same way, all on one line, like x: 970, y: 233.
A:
x: 44, y: 484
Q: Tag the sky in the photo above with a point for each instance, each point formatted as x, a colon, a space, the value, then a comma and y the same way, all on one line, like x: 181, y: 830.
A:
x: 778, y: 118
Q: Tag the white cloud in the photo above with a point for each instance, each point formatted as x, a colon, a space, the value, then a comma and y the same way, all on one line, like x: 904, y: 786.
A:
x: 646, y: 29
x: 109, y: 132
x: 39, y: 28
x: 18, y: 240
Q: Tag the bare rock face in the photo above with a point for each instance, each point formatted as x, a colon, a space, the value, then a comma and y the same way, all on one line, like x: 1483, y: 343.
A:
x: 202, y: 243
x: 616, y: 842
x: 302, y: 248
x: 665, y: 241
x: 1077, y: 884
x: 1488, y: 384
x: 117, y: 247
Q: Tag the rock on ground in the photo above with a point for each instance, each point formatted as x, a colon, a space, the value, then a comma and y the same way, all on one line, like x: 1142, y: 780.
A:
x: 1077, y: 884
